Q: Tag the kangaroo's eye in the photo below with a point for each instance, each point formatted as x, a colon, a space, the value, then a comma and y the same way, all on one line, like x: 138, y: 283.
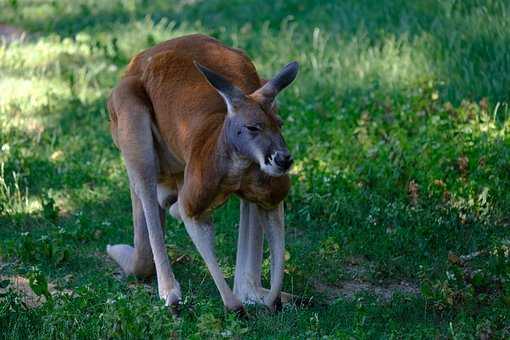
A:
x: 253, y: 128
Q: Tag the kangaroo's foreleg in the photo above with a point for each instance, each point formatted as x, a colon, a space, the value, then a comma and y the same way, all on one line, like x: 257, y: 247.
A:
x: 201, y: 233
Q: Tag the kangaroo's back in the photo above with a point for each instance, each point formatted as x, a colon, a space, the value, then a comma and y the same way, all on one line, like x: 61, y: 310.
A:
x: 182, y: 100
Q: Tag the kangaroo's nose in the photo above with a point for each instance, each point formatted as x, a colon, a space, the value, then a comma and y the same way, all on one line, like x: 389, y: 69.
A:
x: 283, y: 159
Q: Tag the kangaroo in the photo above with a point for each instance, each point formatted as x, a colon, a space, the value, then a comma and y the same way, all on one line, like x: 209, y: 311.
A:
x: 194, y: 124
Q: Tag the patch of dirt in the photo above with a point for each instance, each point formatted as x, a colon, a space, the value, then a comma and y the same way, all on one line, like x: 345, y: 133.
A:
x: 22, y: 286
x: 355, y: 268
x: 10, y: 33
x: 349, y: 289
x: 358, y: 270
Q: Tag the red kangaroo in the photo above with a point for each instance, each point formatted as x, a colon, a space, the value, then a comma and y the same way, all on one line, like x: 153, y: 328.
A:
x: 195, y: 124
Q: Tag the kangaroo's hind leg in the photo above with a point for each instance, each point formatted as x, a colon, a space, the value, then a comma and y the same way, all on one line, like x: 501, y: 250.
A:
x: 247, y: 283
x: 137, y: 260
x: 135, y: 140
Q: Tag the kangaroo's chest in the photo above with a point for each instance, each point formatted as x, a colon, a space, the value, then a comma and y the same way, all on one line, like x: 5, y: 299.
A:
x: 252, y: 184
x: 246, y: 180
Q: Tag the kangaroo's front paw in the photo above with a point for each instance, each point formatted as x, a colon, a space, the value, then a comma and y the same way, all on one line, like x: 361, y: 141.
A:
x: 238, y: 309
x: 258, y: 295
x: 172, y: 297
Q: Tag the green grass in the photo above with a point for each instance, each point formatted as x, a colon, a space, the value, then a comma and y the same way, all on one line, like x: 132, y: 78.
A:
x: 398, y: 123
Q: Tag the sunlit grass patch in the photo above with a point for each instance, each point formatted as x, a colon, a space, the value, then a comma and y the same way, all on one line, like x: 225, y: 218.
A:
x: 344, y: 63
x: 26, y: 103
x: 14, y: 196
x: 30, y: 94
x: 44, y: 54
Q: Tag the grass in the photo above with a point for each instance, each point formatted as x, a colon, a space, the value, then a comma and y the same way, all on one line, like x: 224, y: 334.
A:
x: 398, y: 123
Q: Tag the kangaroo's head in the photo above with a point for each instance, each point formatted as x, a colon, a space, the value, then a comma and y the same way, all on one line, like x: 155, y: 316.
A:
x: 252, y: 127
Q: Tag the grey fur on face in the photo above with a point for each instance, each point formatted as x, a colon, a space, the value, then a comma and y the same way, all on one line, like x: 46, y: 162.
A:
x: 251, y: 128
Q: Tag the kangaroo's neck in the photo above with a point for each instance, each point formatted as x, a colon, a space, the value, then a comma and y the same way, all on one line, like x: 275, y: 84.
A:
x: 220, y: 158
x: 215, y: 167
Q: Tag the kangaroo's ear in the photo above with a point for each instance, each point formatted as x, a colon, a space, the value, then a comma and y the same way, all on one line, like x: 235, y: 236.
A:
x: 268, y: 92
x: 226, y: 89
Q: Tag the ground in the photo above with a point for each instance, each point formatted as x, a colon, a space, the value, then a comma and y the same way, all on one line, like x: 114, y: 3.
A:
x: 398, y: 218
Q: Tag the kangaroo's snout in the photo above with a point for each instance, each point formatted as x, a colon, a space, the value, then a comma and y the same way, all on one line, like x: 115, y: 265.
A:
x: 283, y: 159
